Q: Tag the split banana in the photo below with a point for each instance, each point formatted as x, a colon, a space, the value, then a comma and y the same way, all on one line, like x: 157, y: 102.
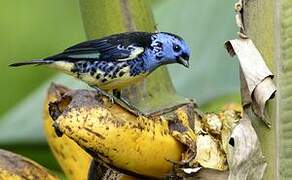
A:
x: 16, y: 167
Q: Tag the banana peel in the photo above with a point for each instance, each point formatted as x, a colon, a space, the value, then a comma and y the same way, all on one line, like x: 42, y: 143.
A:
x: 73, y: 160
x: 117, y: 137
x: 16, y: 167
x: 213, y: 140
x: 153, y: 147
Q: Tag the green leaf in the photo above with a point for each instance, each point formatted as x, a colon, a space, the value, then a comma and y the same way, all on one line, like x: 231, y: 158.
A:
x: 217, y: 103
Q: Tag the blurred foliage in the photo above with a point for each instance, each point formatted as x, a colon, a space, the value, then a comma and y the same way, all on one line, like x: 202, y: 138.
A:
x: 216, y: 104
x: 30, y: 31
x: 205, y: 25
x: 39, y: 152
x: 37, y: 29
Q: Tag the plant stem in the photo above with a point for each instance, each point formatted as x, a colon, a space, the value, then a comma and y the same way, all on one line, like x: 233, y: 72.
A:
x: 268, y: 23
x: 103, y: 17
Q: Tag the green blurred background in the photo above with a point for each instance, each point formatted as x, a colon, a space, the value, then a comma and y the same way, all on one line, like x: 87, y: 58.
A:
x: 35, y: 29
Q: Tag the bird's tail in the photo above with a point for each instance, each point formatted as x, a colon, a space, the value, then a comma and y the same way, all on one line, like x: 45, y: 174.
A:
x: 32, y: 62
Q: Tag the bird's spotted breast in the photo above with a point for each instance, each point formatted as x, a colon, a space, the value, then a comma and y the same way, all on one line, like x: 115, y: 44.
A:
x: 106, y: 75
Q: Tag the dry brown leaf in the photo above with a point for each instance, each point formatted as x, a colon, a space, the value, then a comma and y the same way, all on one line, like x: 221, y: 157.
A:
x: 262, y: 93
x: 257, y: 86
x: 252, y: 64
x: 244, y: 154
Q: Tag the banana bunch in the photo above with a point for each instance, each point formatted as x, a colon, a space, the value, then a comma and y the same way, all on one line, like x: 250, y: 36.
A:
x: 16, y: 167
x: 155, y: 147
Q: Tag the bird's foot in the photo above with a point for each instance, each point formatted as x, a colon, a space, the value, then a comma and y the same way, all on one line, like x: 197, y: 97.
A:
x: 103, y: 93
x: 165, y: 110
x: 129, y: 107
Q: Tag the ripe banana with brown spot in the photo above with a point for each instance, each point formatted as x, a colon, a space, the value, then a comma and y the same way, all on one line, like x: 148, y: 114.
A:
x: 73, y: 160
x: 137, y: 146
x: 16, y: 167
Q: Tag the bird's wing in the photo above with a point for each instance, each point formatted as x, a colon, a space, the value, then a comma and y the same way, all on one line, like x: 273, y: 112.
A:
x: 120, y: 47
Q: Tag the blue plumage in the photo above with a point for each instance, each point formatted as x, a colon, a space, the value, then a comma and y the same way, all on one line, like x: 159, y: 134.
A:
x: 119, y: 60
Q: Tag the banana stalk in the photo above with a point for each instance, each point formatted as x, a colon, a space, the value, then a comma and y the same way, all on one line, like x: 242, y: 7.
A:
x: 16, y: 167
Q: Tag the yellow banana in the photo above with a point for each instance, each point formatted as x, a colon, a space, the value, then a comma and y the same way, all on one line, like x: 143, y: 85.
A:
x: 16, y: 167
x: 138, y: 146
x: 127, y: 143
x: 73, y: 160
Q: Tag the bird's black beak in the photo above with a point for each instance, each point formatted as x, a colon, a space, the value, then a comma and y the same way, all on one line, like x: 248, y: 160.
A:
x: 184, y: 60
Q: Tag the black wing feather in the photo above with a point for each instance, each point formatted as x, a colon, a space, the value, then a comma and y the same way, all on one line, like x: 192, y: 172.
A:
x: 107, y: 47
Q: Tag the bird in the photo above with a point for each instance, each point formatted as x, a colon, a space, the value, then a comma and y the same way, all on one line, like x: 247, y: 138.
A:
x: 117, y: 61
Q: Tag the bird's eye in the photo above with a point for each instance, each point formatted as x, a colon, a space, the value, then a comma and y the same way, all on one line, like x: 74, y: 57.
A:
x: 159, y: 44
x: 176, y: 48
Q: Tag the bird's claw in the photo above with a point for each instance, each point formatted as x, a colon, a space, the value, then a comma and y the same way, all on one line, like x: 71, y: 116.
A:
x: 124, y: 103
x: 141, y: 114
x: 148, y: 115
x: 103, y: 93
x: 111, y: 99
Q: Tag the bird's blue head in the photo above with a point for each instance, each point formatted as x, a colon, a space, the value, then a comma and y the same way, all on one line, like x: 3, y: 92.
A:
x: 167, y: 48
